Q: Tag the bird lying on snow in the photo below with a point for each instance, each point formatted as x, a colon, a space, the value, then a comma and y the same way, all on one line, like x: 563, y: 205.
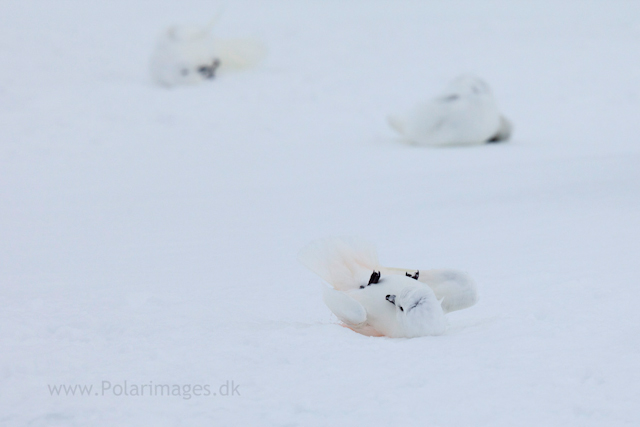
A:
x: 465, y: 114
x: 380, y: 301
x: 188, y: 54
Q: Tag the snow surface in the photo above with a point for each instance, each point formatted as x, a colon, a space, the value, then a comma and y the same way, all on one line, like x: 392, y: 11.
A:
x: 150, y: 235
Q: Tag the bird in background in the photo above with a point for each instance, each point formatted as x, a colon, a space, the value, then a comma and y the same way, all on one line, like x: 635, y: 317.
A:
x: 466, y: 113
x: 189, y: 54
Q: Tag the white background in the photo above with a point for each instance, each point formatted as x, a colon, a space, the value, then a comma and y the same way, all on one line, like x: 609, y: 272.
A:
x: 149, y: 234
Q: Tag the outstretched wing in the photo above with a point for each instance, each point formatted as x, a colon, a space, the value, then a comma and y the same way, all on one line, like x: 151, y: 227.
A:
x: 344, y: 263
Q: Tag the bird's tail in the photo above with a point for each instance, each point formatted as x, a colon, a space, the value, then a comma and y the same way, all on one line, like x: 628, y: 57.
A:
x: 397, y: 124
x: 345, y: 263
x: 505, y: 130
x: 239, y: 54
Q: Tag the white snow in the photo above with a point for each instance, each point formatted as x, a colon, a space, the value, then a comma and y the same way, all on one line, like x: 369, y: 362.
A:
x: 150, y: 235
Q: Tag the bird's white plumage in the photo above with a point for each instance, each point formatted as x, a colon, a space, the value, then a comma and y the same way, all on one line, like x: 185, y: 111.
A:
x: 453, y: 288
x: 343, y: 262
x: 189, y: 54
x: 395, y: 306
x: 466, y: 113
x: 347, y: 309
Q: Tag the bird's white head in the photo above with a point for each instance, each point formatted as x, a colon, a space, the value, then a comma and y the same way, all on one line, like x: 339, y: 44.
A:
x: 418, y: 312
x: 184, y: 55
x: 469, y: 85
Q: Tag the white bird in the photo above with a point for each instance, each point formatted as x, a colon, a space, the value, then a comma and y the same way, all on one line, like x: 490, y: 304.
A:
x: 466, y: 113
x: 188, y: 54
x: 380, y: 301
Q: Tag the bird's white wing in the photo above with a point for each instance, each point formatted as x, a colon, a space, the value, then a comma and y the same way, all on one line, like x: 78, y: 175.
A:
x: 347, y: 309
x: 453, y: 288
x: 432, y: 122
x: 345, y: 263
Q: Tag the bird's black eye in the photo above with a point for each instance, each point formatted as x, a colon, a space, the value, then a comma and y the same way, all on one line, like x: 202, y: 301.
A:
x: 401, y: 309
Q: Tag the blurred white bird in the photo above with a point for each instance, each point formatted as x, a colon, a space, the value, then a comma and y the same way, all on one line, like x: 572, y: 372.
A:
x: 465, y: 114
x: 380, y: 301
x: 188, y: 54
